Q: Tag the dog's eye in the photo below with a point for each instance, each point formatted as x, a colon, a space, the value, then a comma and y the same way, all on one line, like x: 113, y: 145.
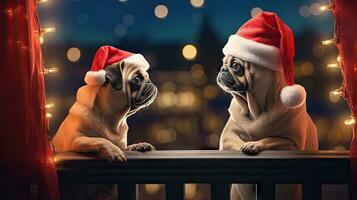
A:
x: 136, y: 80
x: 238, y: 69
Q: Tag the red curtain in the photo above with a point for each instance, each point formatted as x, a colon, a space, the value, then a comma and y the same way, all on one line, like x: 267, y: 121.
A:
x: 346, y: 39
x: 27, y: 169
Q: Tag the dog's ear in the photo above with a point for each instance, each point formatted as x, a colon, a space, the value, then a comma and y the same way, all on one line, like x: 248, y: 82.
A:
x: 113, y: 74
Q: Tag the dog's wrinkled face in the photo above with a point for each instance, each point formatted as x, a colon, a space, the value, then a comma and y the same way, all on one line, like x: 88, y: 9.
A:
x: 135, y: 83
x: 232, y: 76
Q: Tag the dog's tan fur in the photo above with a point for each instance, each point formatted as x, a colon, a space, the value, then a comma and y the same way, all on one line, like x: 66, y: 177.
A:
x: 97, y: 120
x: 258, y: 121
x: 97, y: 123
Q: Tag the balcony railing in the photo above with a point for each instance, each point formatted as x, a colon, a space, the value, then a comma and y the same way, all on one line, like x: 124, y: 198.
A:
x: 219, y: 168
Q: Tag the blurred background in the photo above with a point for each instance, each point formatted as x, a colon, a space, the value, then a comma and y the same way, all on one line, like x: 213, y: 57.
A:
x: 183, y: 41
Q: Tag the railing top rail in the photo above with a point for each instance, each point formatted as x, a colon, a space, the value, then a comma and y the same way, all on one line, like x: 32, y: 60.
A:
x: 208, y: 166
x: 211, y: 154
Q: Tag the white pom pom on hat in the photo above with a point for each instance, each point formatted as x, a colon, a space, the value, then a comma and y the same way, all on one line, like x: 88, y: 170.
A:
x: 267, y: 41
x: 293, y: 96
x: 107, y: 55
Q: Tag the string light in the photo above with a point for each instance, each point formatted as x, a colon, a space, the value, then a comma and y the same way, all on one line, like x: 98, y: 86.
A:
x: 338, y: 92
x: 48, y: 115
x: 328, y: 42
x: 350, y: 121
x: 55, y: 158
x: 48, y: 70
x: 50, y: 105
x: 41, y: 39
x: 333, y: 65
x: 325, y: 8
x: 48, y: 30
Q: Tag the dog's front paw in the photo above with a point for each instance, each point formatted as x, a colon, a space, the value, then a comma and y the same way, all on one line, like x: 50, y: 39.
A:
x: 112, y: 153
x: 252, y: 148
x: 143, y: 146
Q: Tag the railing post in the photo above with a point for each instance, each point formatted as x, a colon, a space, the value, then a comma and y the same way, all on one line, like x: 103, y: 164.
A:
x: 220, y: 191
x: 265, y: 191
x: 311, y: 191
x: 175, y: 191
x: 127, y: 191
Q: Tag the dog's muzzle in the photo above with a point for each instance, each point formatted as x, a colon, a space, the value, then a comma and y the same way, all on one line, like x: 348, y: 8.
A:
x: 145, y: 96
x: 227, y: 80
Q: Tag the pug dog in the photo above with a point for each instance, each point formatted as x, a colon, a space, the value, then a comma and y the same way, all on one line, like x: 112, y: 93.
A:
x: 97, y: 121
x: 266, y: 113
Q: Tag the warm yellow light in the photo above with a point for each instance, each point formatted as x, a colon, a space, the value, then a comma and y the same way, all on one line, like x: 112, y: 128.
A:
x: 189, y: 52
x: 161, y: 11
x: 165, y: 136
x: 339, y: 59
x: 210, y: 91
x: 73, y: 54
x: 48, y: 115
x: 350, y: 121
x: 152, y: 188
x: 197, y: 3
x: 48, y: 30
x: 41, y: 40
x: 186, y: 99
x: 42, y: 1
x: 333, y: 65
x: 334, y: 98
x: 307, y: 69
x: 50, y: 105
x: 197, y: 70
x: 167, y: 99
x: 190, y: 191
x: 338, y: 92
x: 324, y: 8
x: 328, y: 42
x: 55, y: 158
x: 48, y: 70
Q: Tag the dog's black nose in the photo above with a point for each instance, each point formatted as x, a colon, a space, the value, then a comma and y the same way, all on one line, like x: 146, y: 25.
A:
x: 224, y: 68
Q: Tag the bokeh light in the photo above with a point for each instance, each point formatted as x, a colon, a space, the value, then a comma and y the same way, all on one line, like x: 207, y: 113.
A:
x: 165, y: 136
x: 255, y: 11
x: 210, y: 91
x: 307, y: 68
x: 315, y: 9
x: 304, y: 11
x: 197, y: 70
x: 120, y: 30
x: 197, y: 3
x: 190, y: 191
x: 318, y: 51
x: 152, y: 189
x: 161, y: 11
x: 128, y: 20
x: 334, y: 98
x: 189, y: 52
x: 73, y: 54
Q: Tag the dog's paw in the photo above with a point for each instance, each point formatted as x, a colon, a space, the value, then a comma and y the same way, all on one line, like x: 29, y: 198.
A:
x: 143, y: 146
x: 252, y: 148
x: 112, y: 153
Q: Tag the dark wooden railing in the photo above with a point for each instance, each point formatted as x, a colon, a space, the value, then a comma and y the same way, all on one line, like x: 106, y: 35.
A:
x: 219, y: 168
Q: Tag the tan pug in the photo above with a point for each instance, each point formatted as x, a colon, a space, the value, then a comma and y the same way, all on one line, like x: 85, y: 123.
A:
x: 268, y: 110
x: 97, y: 120
x: 259, y: 121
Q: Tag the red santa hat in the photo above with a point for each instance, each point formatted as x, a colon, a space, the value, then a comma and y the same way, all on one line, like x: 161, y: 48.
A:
x: 107, y: 55
x: 267, y: 41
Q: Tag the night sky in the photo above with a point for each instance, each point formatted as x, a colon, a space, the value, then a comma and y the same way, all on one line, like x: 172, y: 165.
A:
x: 94, y: 21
